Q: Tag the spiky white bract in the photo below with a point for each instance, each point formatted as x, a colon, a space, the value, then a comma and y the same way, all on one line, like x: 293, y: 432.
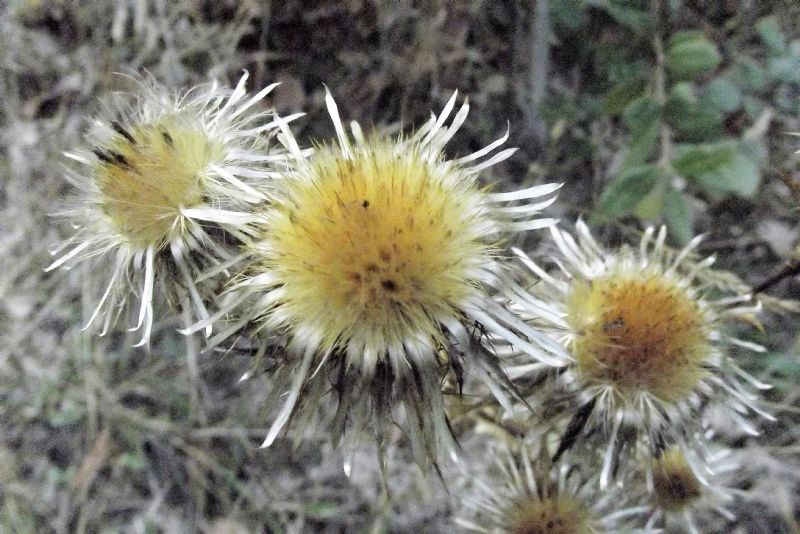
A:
x: 526, y: 493
x: 378, y: 257
x: 165, y: 188
x: 646, y: 329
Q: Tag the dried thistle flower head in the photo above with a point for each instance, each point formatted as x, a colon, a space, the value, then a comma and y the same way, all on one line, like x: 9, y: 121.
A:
x: 675, y: 486
x: 525, y: 493
x: 377, y: 259
x: 639, y: 331
x: 393, y: 247
x: 691, y: 488
x: 165, y: 185
x: 555, y: 515
x: 647, y: 337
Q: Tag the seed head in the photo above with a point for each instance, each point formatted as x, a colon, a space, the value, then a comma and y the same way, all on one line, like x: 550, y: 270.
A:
x: 147, y: 174
x: 646, y: 328
x: 524, y: 492
x: 675, y: 486
x: 555, y: 515
x: 691, y: 486
x: 374, y: 252
x: 376, y: 264
x: 166, y: 186
x: 638, y: 332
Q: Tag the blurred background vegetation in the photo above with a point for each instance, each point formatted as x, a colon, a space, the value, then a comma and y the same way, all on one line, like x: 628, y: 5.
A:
x: 671, y: 111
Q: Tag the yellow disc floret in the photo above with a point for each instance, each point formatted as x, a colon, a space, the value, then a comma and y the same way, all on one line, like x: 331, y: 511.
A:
x: 146, y: 174
x: 639, y: 332
x: 556, y: 515
x: 675, y: 486
x: 373, y: 250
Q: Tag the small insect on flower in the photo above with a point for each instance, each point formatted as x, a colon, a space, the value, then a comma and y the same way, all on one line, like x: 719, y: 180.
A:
x: 645, y: 329
x: 165, y: 192
x: 525, y: 493
x: 377, y: 259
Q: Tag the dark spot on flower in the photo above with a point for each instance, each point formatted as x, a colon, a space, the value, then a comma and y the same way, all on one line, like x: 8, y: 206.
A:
x: 102, y: 156
x: 123, y: 132
x: 167, y: 139
x: 120, y: 160
x: 365, y: 204
x: 389, y: 285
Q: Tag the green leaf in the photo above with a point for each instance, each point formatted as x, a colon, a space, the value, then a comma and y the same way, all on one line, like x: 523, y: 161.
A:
x: 640, y: 114
x: 694, y: 160
x: 741, y: 176
x: 753, y: 106
x: 678, y: 216
x: 643, y: 119
x: 682, y: 93
x: 627, y: 189
x: 794, y: 48
x: 751, y: 75
x: 781, y: 368
x: 786, y: 101
x: 691, y: 120
x: 640, y: 21
x: 723, y: 95
x: 622, y: 94
x: 697, y: 124
x: 784, y: 69
x: 651, y: 206
x: 684, y: 36
x: 690, y: 54
x: 771, y: 34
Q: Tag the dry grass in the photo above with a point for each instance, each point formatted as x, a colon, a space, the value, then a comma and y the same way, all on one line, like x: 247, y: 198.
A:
x: 99, y: 437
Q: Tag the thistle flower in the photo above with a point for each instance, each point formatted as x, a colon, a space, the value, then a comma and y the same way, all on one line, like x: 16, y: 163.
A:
x: 165, y: 188
x: 645, y: 327
x: 686, y: 490
x: 525, y: 493
x: 377, y: 262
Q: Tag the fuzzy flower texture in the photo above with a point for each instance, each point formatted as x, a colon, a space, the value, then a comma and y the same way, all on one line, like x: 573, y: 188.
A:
x: 370, y: 276
x: 376, y: 259
x: 165, y: 190
x: 648, y: 332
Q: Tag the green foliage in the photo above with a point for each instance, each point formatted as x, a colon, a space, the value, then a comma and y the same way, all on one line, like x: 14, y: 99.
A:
x: 678, y: 215
x: 643, y: 119
x: 723, y: 95
x: 691, y: 54
x: 769, y: 30
x: 739, y: 174
x: 687, y: 106
x: 695, y: 160
x: 627, y: 190
x: 688, y: 118
x: 626, y: 15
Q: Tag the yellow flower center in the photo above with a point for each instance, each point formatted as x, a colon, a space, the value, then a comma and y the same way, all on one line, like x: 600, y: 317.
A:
x: 639, y: 332
x: 147, y: 174
x: 558, y: 515
x: 674, y: 484
x: 374, y: 250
